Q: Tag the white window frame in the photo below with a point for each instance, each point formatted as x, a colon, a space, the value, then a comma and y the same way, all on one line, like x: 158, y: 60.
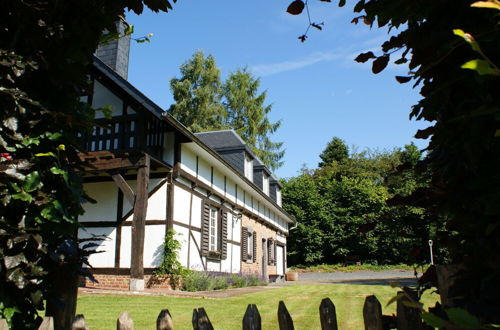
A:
x: 213, y: 229
x: 250, y: 245
x: 248, y: 167
x: 265, y: 184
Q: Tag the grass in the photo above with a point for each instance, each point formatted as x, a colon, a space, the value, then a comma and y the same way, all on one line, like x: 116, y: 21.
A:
x: 302, y: 301
x: 350, y: 268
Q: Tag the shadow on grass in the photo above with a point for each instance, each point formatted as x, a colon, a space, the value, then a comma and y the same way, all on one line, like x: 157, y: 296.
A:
x: 400, y: 281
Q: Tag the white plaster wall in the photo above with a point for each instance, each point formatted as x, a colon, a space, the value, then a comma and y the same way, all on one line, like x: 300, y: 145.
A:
x: 106, y: 195
x: 157, y: 203
x: 196, y: 212
x: 226, y: 263
x: 103, y: 97
x: 213, y: 266
x: 182, y: 236
x: 188, y: 160
x: 281, y: 239
x: 204, y: 171
x: 236, y: 259
x: 230, y: 190
x: 241, y: 194
x: 218, y: 184
x: 195, y: 259
x: 153, y: 245
x: 125, y: 246
x: 107, y: 257
x: 236, y: 229
x: 181, y: 205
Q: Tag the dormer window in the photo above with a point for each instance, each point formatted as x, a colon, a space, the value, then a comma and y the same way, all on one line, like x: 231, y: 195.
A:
x: 265, y: 184
x: 278, y: 196
x: 248, y: 167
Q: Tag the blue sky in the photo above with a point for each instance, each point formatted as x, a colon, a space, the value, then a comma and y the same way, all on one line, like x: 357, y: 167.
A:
x: 315, y: 87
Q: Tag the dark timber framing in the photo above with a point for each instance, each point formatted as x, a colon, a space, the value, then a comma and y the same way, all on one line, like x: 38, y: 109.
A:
x: 138, y: 227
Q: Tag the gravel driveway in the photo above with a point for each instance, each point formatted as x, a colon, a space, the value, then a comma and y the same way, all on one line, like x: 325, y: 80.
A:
x: 403, y: 277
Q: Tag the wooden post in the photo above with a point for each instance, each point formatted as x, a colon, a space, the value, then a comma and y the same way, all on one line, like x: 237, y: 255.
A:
x: 372, y: 314
x: 252, y: 320
x: 138, y: 228
x: 124, y: 322
x: 408, y: 317
x: 47, y: 323
x: 79, y: 323
x: 284, y: 319
x: 164, y: 321
x: 327, y: 315
x: 3, y: 324
x: 201, y: 320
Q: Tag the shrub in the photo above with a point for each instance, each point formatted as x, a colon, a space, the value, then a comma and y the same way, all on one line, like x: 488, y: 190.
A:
x: 206, y: 281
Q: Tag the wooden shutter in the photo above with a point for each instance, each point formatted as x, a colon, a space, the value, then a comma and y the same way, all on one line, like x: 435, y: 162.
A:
x: 224, y: 235
x: 275, y: 247
x: 254, y: 256
x: 244, y: 243
x: 270, y: 251
x: 205, y: 225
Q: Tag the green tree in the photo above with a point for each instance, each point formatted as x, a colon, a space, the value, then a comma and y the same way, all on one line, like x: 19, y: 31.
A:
x: 46, y: 50
x: 336, y: 150
x: 198, y: 94
x: 248, y: 116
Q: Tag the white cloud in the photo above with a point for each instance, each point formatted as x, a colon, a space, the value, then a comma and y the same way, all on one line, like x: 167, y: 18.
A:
x: 274, y: 68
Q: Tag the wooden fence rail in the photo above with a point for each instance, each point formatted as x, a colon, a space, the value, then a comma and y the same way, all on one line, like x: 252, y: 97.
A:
x: 408, y: 317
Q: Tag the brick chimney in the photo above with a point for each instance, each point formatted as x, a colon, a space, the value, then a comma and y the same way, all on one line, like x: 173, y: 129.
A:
x: 116, y: 52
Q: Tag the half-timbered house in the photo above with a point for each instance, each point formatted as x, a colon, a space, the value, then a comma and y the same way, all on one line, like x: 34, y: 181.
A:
x: 149, y: 174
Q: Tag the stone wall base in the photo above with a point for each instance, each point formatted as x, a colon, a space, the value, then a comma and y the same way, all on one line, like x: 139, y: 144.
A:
x: 118, y: 281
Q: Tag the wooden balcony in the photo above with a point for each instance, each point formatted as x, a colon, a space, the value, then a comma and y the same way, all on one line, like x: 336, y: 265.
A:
x: 127, y: 133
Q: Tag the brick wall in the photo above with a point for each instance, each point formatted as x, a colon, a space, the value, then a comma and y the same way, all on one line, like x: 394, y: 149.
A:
x: 262, y: 231
x: 121, y: 281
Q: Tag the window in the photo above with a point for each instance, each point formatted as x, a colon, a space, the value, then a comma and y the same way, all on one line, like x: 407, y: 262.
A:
x: 248, y: 245
x: 213, y: 230
x: 278, y: 196
x: 248, y: 167
x: 265, y: 184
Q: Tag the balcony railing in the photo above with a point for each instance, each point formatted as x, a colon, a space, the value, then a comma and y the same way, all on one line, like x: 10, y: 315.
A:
x: 122, y: 133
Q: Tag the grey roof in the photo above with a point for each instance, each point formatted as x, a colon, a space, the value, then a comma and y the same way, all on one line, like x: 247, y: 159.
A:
x: 218, y: 140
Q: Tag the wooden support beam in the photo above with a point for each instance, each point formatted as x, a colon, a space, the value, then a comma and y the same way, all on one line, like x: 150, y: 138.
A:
x: 128, y: 193
x: 138, y: 227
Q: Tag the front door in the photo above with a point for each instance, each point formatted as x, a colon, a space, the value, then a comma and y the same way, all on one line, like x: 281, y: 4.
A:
x: 280, y: 260
x: 264, y: 260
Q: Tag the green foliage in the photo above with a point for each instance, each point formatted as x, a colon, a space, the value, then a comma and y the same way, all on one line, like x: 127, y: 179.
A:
x: 336, y: 150
x: 46, y: 48
x: 206, y: 281
x: 342, y: 211
x: 248, y: 116
x: 170, y: 264
x: 204, y: 103
x: 197, y: 94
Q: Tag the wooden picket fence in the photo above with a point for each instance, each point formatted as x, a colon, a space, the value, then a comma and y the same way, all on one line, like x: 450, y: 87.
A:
x: 408, y: 318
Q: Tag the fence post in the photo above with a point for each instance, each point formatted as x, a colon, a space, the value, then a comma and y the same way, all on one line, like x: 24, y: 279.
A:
x: 124, y: 322
x: 408, y: 314
x: 372, y: 314
x: 327, y: 315
x: 47, y: 323
x: 201, y: 320
x: 79, y: 323
x: 164, y: 321
x: 252, y: 320
x: 284, y: 318
x: 3, y: 324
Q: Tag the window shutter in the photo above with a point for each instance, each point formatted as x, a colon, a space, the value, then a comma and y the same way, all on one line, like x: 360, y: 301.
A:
x: 275, y: 247
x: 224, y: 235
x: 244, y: 243
x: 204, y: 229
x: 270, y: 251
x: 254, y: 257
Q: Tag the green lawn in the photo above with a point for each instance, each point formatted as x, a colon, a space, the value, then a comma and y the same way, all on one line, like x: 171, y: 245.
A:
x: 302, y: 302
x: 353, y: 268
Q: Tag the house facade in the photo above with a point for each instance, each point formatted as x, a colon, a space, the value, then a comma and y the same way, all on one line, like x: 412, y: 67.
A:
x: 149, y: 174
